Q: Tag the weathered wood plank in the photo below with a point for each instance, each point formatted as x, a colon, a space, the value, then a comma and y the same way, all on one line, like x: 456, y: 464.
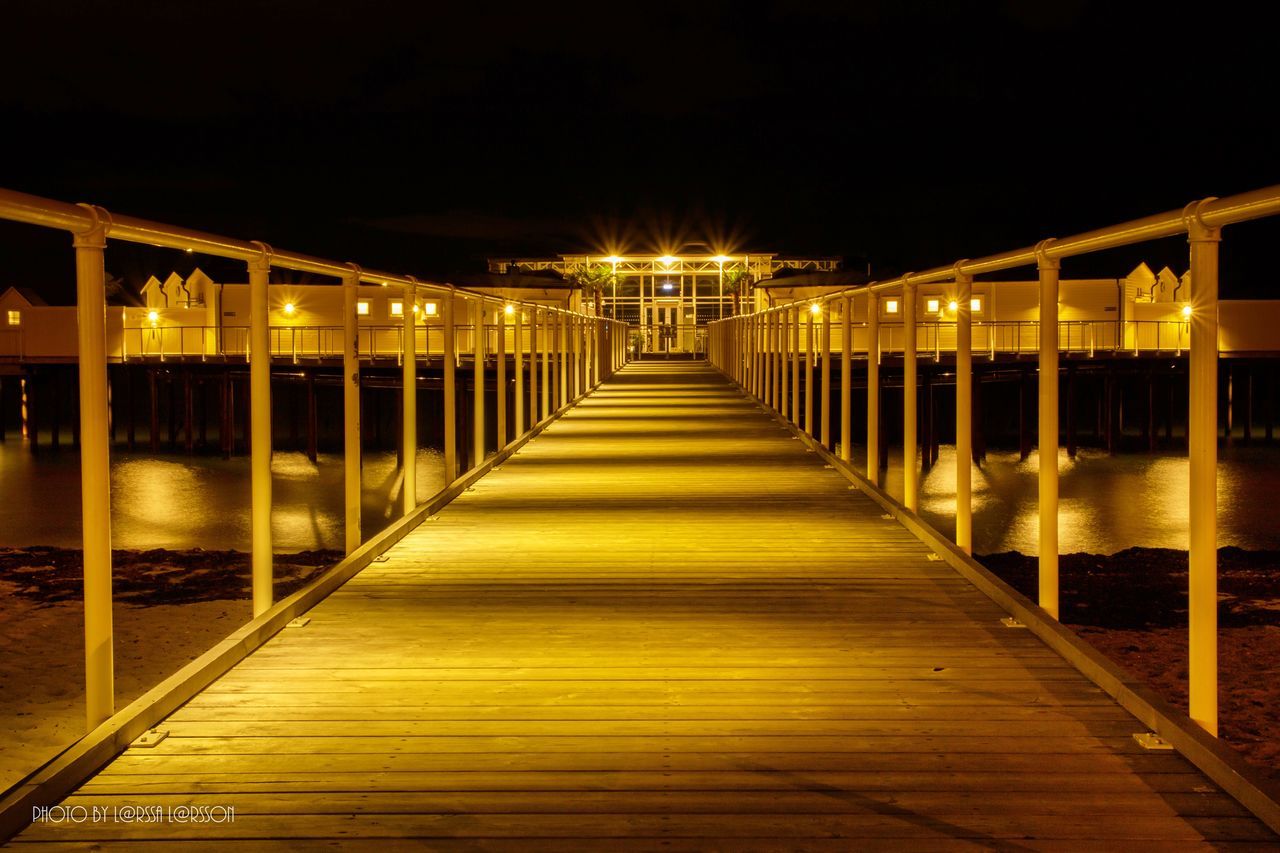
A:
x: 660, y: 624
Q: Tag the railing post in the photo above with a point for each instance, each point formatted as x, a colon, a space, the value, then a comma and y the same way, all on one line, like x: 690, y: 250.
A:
x: 758, y: 342
x: 766, y: 359
x: 910, y: 467
x: 778, y: 349
x: 477, y: 351
x: 964, y: 411
x: 260, y: 429
x: 95, y: 471
x: 784, y: 362
x: 826, y: 377
x: 409, y: 407
x: 351, y: 408
x: 1202, y: 447
x: 1048, y: 439
x: 500, y: 440
x: 450, y: 360
x: 547, y: 343
x: 808, y: 372
x: 518, y: 355
x: 873, y: 388
x: 846, y: 380
x: 795, y: 364
x: 562, y: 349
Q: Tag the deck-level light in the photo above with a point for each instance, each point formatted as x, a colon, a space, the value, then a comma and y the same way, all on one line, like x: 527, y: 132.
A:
x: 153, y: 316
x: 1186, y: 312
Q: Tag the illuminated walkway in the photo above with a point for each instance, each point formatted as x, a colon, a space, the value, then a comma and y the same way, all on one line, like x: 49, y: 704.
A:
x: 663, y: 625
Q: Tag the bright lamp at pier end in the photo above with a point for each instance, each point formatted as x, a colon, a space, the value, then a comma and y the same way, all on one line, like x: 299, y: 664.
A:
x: 153, y: 316
x: 508, y: 309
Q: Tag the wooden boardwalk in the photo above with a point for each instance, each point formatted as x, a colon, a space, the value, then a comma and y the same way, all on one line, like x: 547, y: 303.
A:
x: 662, y: 625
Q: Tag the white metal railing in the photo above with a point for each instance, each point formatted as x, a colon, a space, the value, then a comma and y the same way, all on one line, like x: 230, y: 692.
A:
x: 755, y: 350
x: 576, y: 352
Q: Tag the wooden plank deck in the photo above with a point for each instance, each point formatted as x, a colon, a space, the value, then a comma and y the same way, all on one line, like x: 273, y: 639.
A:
x: 662, y: 625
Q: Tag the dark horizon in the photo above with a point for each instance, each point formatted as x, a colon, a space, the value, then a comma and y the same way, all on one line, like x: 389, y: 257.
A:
x: 902, y: 136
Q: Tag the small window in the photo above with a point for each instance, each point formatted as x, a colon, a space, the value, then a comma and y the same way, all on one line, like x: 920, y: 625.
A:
x: 362, y: 307
x: 397, y: 308
x: 891, y: 306
x: 431, y: 308
x: 14, y: 317
x: 975, y: 305
x: 931, y: 306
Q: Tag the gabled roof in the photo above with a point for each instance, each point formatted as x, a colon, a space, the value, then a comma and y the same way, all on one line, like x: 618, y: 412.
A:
x: 27, y: 295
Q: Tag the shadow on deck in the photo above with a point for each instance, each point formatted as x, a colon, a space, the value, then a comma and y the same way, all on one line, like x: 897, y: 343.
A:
x: 663, y: 624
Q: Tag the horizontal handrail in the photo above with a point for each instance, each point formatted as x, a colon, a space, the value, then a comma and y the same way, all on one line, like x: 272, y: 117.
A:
x: 82, y: 218
x: 1207, y: 213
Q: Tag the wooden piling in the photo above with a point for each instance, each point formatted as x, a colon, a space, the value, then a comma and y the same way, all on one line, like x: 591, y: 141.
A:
x: 312, y: 439
x: 153, y: 436
x: 1071, y: 411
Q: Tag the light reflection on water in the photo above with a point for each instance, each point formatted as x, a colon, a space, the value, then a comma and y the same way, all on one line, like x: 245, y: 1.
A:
x: 1106, y: 503
x: 185, y: 502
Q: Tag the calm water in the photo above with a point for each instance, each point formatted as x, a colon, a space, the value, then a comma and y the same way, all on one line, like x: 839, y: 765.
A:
x: 1108, y: 503
x: 171, y: 501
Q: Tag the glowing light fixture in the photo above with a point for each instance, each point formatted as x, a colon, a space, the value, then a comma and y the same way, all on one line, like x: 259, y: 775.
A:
x: 1186, y: 312
x: 153, y: 316
x: 613, y: 259
x: 509, y: 310
x: 815, y: 309
x: 416, y: 308
x: 667, y: 260
x: 289, y: 308
x: 722, y: 259
x: 666, y: 285
x: 953, y: 305
x: 189, y: 250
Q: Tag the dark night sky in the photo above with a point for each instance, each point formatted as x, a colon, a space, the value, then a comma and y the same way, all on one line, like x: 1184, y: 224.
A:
x: 425, y: 139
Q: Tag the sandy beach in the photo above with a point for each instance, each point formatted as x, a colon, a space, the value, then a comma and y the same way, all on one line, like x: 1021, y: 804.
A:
x: 170, y: 607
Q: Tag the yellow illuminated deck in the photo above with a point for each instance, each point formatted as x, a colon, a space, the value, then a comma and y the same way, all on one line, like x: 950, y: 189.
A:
x: 662, y: 625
